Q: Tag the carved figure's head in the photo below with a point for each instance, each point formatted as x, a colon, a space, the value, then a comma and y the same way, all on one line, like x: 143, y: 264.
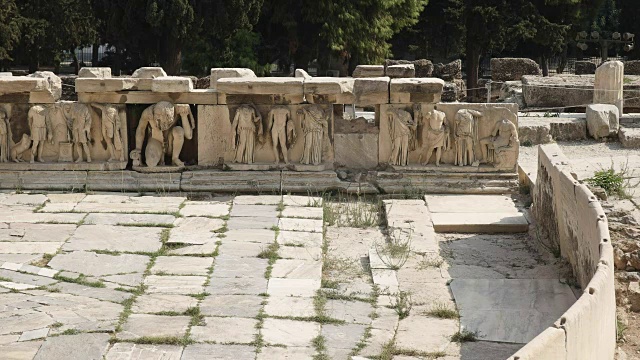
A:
x: 164, y: 115
x: 188, y: 121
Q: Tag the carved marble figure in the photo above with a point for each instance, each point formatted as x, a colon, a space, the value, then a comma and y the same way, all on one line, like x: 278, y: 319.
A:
x: 315, y: 128
x: 246, y: 126
x: 40, y: 128
x: 18, y: 150
x: 465, y: 133
x: 5, y: 131
x: 80, y: 117
x: 402, y: 129
x: 436, y: 135
x: 110, y: 129
x: 504, y: 138
x: 166, y: 135
x: 283, y: 132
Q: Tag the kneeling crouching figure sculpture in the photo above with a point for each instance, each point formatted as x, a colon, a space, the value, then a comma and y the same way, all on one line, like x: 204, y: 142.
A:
x: 166, y: 136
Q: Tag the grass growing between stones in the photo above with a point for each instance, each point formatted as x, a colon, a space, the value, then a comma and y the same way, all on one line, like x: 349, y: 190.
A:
x: 389, y: 350
x: 161, y: 225
x: 44, y: 261
x: 464, y: 336
x: 319, y: 344
x: 618, y: 183
x: 442, y: 311
x: 81, y: 280
x: 158, y: 340
x: 402, y: 304
x: 349, y: 211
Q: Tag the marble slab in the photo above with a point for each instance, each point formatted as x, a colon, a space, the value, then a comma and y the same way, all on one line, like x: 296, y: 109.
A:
x: 510, y: 310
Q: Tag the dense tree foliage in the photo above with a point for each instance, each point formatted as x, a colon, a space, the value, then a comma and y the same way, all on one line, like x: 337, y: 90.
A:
x: 195, y: 35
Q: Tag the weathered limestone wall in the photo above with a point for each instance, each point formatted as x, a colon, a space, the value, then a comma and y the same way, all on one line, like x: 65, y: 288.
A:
x: 573, y: 219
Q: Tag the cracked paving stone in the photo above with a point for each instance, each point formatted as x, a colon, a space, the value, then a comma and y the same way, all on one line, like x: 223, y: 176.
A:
x: 82, y: 346
x: 226, y: 330
x: 350, y: 311
x: 218, y: 352
x: 237, y: 286
x: 20, y: 351
x: 129, y: 219
x: 242, y: 223
x: 155, y: 303
x: 262, y: 236
x: 175, y: 284
x: 290, y: 306
x: 90, y: 263
x: 145, y: 325
x: 309, y: 225
x: 199, y: 208
x: 254, y: 211
x: 289, y: 332
x: 115, y: 238
x: 129, y: 351
x: 182, y: 265
x: 246, y: 306
x: 288, y: 353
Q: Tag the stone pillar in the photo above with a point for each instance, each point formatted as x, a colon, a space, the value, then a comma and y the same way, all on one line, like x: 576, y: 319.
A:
x: 609, y: 83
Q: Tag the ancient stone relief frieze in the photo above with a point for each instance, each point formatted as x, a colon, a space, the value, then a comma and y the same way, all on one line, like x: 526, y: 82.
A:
x: 62, y: 136
x: 164, y: 127
x: 271, y: 137
x: 448, y: 137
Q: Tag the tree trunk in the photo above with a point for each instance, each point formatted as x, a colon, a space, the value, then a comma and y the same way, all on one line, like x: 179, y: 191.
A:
x: 172, y: 56
x: 473, y: 59
x: 117, y: 61
x: 94, y: 55
x: 544, y: 64
x: 563, y: 61
x: 75, y: 61
x: 34, y: 61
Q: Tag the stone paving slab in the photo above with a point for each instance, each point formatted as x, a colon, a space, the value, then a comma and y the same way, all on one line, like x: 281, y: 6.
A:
x: 81, y: 346
x: 125, y: 279
x: 486, y: 223
x: 262, y: 236
x: 300, y: 253
x: 206, y: 248
x: 297, y: 238
x: 175, y: 284
x: 240, y: 210
x: 156, y: 303
x: 297, y: 269
x: 243, y: 223
x: 342, y: 336
x: 289, y: 332
x: 356, y: 312
x: 145, y: 325
x: 246, y: 306
x: 218, y: 352
x: 20, y: 258
x: 129, y: 351
x: 301, y: 200
x: 29, y: 247
x: 309, y: 225
x: 20, y: 351
x: 257, y: 200
x: 29, y: 279
x: 37, y: 232
x: 293, y: 287
x: 194, y: 230
x: 288, y: 353
x: 303, y: 212
x: 241, y: 249
x: 26, y: 322
x: 515, y: 311
x: 425, y: 333
x: 226, y: 330
x: 471, y: 204
x: 237, y: 286
x: 22, y: 199
x: 93, y: 292
x: 129, y: 219
x: 235, y: 266
x: 90, y: 263
x: 290, y: 306
x: 207, y: 209
x: 182, y: 265
x: 115, y: 238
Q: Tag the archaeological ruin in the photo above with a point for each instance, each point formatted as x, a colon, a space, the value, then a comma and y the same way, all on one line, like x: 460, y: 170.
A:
x: 263, y: 218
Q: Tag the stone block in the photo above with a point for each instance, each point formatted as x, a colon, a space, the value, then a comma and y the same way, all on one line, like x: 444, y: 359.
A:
x: 568, y: 129
x: 585, y: 67
x: 632, y: 67
x: 557, y: 91
x: 424, y: 67
x: 629, y: 137
x: 602, y: 120
x: 401, y: 71
x: 54, y: 83
x: 368, y: 71
x: 261, y: 86
x: 509, y: 69
x: 609, y: 83
x: 95, y: 72
x: 325, y: 90
x: 146, y: 96
x: 480, y: 223
x: 416, y: 90
x: 302, y: 74
x: 172, y: 84
x: 81, y: 346
x: 20, y: 84
x: 356, y: 151
x: 89, y: 85
x: 221, y: 73
x: 534, y: 131
x: 213, y: 124
x: 371, y: 91
x: 149, y: 73
x: 447, y: 72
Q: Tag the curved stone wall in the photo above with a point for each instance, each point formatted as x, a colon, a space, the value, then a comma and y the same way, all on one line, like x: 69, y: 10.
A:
x: 575, y: 223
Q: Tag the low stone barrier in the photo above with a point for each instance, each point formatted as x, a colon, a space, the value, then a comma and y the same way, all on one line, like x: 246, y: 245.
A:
x: 576, y: 225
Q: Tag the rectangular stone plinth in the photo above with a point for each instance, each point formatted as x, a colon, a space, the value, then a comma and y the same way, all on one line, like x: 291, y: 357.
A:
x: 231, y: 181
x: 95, y: 72
x: 329, y: 90
x: 198, y: 97
x: 416, y: 90
x: 222, y: 73
x: 476, y: 214
x: 171, y: 84
x: 368, y: 71
x: 97, y: 85
x: 22, y: 84
x: 261, y: 86
x: 371, y: 91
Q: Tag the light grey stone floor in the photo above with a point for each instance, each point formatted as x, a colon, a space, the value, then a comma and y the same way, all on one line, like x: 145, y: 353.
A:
x: 118, y: 277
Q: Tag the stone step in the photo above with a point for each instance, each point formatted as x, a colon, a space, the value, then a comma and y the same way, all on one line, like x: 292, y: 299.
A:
x: 536, y: 130
x: 630, y: 137
x: 476, y: 214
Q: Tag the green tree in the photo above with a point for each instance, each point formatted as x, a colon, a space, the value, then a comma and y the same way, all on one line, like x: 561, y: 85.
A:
x: 9, y: 28
x: 630, y: 13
